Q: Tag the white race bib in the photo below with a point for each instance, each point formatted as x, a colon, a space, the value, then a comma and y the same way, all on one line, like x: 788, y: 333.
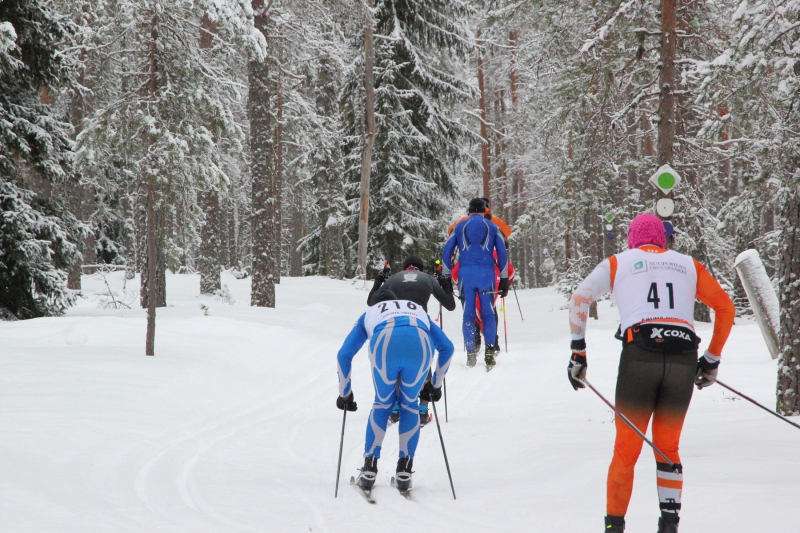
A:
x: 655, y: 286
x: 383, y: 311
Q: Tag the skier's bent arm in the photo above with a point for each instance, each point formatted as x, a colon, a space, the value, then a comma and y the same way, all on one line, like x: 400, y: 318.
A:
x: 352, y: 344
x: 713, y: 295
x: 596, y: 285
x: 447, y: 300
x: 445, y: 349
x: 502, y: 255
x: 447, y: 255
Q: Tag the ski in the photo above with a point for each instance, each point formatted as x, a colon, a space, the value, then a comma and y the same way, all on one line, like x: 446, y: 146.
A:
x: 366, y: 494
x: 404, y: 493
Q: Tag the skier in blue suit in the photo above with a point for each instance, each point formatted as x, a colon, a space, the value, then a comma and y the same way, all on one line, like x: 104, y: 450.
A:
x: 476, y: 239
x: 402, y: 338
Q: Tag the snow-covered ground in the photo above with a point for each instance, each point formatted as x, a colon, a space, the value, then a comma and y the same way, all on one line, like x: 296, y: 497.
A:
x: 232, y: 426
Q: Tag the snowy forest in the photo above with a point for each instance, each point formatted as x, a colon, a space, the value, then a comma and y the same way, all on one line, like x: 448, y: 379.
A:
x: 275, y: 138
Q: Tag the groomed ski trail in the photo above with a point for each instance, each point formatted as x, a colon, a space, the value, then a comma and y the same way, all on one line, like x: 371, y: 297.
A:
x: 232, y: 426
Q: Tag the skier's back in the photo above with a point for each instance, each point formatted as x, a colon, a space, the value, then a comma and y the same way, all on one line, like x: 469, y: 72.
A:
x: 414, y: 284
x: 476, y: 239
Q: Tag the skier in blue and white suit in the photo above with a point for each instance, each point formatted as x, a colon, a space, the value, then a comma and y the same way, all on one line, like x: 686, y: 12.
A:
x: 402, y: 338
x: 476, y: 239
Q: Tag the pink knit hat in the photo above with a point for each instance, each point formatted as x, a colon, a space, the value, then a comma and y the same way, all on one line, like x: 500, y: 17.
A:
x: 646, y: 229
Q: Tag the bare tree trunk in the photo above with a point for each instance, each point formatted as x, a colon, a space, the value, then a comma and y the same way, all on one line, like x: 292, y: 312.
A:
x: 210, y: 244
x: 788, y: 397
x: 366, y: 161
x: 487, y: 170
x: 150, y: 339
x: 295, y: 256
x: 519, y: 253
x: 81, y: 197
x: 666, y: 104
x: 277, y: 186
x: 262, y: 161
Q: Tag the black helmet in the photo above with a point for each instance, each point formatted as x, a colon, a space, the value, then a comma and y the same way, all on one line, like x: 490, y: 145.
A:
x: 413, y: 260
x: 477, y: 205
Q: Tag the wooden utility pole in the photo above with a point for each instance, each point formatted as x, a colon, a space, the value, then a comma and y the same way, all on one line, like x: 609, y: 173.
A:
x: 487, y: 172
x: 369, y: 144
x: 152, y: 262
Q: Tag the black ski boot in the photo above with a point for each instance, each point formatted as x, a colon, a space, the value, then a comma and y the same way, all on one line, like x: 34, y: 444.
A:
x: 403, y: 475
x: 490, y: 357
x: 668, y: 523
x: 615, y: 524
x: 366, y: 479
x: 472, y: 358
x: 424, y: 415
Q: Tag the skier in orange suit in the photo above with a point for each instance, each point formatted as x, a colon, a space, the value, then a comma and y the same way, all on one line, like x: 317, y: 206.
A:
x: 655, y: 290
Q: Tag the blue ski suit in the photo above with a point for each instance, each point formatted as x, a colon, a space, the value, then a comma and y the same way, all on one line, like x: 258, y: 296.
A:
x: 476, y: 239
x: 402, y: 338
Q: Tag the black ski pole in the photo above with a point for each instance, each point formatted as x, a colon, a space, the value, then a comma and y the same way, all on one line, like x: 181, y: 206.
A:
x: 444, y: 452
x: 518, y: 306
x: 770, y: 411
x: 341, y: 444
x: 444, y: 389
x: 630, y: 424
x: 505, y: 326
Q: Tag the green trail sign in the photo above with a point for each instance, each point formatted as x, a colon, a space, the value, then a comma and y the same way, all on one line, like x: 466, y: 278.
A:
x: 665, y: 179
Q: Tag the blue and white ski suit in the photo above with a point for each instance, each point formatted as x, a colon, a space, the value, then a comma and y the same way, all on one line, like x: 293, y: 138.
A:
x: 476, y: 239
x: 402, y: 338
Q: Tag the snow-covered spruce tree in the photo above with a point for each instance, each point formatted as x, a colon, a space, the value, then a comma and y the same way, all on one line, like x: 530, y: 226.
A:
x: 759, y: 73
x: 323, y: 245
x: 421, y: 52
x: 325, y: 242
x: 173, y: 104
x: 37, y: 233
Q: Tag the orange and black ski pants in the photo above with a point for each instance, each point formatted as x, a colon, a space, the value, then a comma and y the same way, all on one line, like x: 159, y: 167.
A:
x: 655, y: 385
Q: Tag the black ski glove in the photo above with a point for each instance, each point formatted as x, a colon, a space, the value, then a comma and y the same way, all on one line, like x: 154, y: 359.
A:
x: 502, y: 290
x: 429, y: 393
x: 446, y: 283
x: 383, y: 275
x: 707, y: 370
x: 576, y: 371
x: 349, y: 401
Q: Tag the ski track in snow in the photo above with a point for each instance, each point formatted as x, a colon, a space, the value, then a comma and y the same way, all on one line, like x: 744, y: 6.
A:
x: 232, y: 426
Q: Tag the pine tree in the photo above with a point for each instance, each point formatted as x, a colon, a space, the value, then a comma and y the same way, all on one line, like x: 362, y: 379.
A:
x: 421, y: 48
x: 37, y: 233
x: 165, y: 116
